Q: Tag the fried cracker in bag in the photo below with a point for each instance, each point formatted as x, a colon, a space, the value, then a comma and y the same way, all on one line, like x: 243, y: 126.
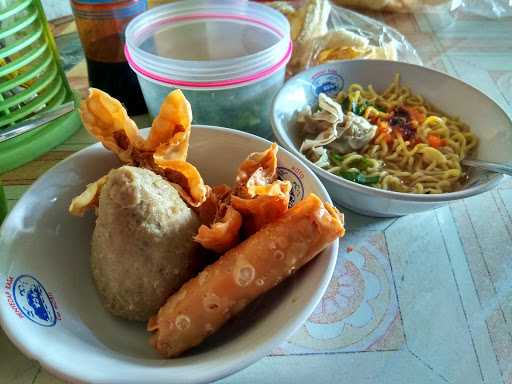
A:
x: 392, y: 5
x: 323, y: 33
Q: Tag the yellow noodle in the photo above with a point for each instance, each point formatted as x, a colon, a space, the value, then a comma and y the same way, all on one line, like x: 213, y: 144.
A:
x: 421, y: 168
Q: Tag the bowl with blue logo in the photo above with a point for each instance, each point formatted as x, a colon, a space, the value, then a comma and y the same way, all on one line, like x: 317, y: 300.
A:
x: 49, y: 306
x: 448, y: 94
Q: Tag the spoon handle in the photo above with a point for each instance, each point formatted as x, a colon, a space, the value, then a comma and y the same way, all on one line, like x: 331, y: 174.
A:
x: 490, y: 166
x: 36, y: 121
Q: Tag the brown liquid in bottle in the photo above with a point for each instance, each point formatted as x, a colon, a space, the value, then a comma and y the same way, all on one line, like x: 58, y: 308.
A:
x: 101, y: 32
x: 119, y: 81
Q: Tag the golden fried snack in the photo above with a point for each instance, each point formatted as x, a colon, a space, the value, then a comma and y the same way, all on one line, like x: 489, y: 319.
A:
x: 307, y: 21
x: 221, y: 222
x: 338, y: 44
x: 164, y: 152
x: 88, y: 198
x: 264, y: 208
x: 256, y: 200
x: 216, y: 196
x: 106, y: 119
x: 284, y: 7
x: 341, y: 44
x: 259, y: 168
x: 224, y: 288
x: 314, y: 43
x: 223, y: 234
x: 185, y: 178
x: 258, y: 195
x: 170, y: 131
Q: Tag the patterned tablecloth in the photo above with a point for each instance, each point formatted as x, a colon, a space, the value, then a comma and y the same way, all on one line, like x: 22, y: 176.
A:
x: 425, y: 298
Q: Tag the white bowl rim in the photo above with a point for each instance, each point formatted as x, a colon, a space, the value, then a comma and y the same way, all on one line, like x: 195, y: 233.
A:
x: 72, y: 372
x: 426, y: 198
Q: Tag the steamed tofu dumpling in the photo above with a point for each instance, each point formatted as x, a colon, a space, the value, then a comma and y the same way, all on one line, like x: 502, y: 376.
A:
x: 142, y: 246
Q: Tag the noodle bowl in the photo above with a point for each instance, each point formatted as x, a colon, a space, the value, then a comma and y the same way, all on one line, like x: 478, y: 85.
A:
x: 293, y: 127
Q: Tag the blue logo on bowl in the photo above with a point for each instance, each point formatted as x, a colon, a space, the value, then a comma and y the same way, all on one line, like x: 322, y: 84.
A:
x: 33, y: 301
x: 327, y: 81
x: 294, y: 177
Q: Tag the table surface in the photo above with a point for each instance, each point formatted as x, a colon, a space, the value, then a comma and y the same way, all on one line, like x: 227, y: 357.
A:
x: 405, y: 305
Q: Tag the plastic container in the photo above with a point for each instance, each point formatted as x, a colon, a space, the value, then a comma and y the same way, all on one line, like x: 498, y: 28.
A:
x: 228, y: 57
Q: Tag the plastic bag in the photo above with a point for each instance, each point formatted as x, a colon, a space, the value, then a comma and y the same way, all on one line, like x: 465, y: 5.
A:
x: 322, y: 33
x: 487, y: 8
x: 378, y: 34
x: 395, y: 5
x: 458, y: 8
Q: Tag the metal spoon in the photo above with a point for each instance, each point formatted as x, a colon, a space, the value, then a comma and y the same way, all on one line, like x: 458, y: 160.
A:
x: 36, y: 121
x: 489, y: 166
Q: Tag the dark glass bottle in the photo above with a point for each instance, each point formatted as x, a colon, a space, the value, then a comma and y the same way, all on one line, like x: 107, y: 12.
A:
x: 101, y: 25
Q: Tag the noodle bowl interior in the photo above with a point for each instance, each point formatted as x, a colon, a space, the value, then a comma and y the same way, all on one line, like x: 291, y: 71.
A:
x: 394, y: 140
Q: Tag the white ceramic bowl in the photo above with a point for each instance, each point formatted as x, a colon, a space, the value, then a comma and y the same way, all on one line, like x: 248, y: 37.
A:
x: 490, y: 123
x: 44, y: 249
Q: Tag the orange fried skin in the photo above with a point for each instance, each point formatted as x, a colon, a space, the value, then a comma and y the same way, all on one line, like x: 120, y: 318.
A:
x: 257, y: 197
x: 223, y: 234
x: 170, y: 131
x: 216, y: 197
x: 221, y: 222
x: 106, y: 119
x: 258, y: 169
x: 263, y: 209
x: 88, y: 198
x: 185, y: 178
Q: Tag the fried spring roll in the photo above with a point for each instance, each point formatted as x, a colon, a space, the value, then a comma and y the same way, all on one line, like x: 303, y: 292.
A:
x: 224, y: 288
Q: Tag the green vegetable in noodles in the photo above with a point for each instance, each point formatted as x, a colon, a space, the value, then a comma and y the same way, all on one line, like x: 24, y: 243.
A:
x: 350, y: 105
x: 360, y: 108
x: 336, y: 158
x: 363, y: 163
x: 359, y: 177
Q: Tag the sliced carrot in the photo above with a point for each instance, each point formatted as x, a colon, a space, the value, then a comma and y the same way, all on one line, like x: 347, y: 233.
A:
x: 384, y: 131
x: 388, y: 138
x: 435, y: 141
x: 416, y: 114
x: 414, y: 142
x: 383, y: 127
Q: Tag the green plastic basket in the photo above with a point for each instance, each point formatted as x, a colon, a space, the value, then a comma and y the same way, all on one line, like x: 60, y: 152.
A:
x: 31, y: 81
x: 3, y: 204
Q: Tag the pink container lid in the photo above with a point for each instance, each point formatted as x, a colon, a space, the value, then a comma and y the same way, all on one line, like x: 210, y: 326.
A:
x: 219, y: 28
